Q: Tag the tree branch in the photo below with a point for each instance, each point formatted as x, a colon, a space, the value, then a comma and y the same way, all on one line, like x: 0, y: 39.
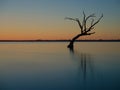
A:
x: 77, y: 20
x: 70, y: 18
x: 93, y: 24
x: 90, y: 33
x: 84, y: 21
x: 92, y: 21
x: 92, y: 15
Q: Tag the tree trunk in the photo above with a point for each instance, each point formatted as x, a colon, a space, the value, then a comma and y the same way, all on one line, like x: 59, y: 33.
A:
x: 71, y: 44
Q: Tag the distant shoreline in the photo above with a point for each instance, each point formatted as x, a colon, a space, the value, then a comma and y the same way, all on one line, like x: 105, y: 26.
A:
x: 59, y: 40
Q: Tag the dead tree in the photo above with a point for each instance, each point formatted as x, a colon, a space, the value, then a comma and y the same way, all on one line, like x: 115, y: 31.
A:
x: 83, y: 27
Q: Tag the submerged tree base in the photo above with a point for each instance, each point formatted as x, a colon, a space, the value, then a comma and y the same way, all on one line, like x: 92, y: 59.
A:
x: 71, y: 47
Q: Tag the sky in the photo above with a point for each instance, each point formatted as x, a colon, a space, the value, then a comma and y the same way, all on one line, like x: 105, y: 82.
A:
x: 44, y: 19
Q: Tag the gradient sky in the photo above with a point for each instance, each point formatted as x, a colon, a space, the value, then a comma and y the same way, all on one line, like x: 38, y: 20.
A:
x: 44, y: 19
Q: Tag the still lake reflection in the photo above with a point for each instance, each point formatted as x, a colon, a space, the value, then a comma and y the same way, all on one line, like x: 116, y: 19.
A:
x: 51, y: 66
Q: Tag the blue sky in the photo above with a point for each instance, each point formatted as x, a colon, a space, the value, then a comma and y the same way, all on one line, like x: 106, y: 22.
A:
x: 48, y: 16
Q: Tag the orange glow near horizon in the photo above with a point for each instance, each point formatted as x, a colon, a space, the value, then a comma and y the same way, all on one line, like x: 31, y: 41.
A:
x: 21, y: 29
x: 29, y: 20
x: 50, y: 36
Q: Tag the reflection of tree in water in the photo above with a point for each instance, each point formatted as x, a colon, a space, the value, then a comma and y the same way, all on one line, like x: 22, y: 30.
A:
x: 85, y: 64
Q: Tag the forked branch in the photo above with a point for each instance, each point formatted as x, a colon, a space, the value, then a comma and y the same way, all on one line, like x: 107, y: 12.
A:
x: 94, y: 23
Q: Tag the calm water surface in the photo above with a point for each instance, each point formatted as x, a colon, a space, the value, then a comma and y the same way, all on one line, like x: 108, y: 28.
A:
x: 51, y: 66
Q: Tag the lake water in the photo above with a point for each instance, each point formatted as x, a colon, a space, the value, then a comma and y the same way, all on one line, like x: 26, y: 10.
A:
x: 51, y: 66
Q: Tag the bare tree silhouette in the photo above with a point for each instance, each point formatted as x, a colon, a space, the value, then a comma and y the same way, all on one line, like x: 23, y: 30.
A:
x: 83, y: 27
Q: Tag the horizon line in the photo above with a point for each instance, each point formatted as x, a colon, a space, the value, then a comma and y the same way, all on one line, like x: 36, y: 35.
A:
x: 63, y: 40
